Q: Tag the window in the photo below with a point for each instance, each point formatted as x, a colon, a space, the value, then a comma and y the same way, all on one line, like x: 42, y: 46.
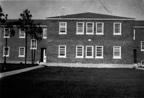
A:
x: 142, y: 45
x: 21, y: 51
x: 21, y: 33
x: 62, y: 51
x: 79, y: 51
x: 44, y: 33
x: 62, y: 28
x: 116, y: 52
x: 89, y: 51
x: 117, y: 28
x: 33, y: 44
x: 99, y: 52
x: 99, y: 28
x: 80, y: 28
x: 6, y: 32
x: 90, y: 28
x: 6, y: 51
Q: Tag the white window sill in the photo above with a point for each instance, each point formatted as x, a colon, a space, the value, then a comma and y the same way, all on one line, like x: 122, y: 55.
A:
x: 117, y: 34
x: 89, y: 33
x: 142, y: 49
x: 6, y: 37
x: 79, y: 33
x: 44, y: 37
x: 21, y: 37
x: 99, y: 34
x: 62, y: 33
x: 21, y: 56
x: 6, y: 56
x: 116, y: 57
x: 61, y: 57
x: 79, y: 57
x: 99, y: 57
x: 89, y: 57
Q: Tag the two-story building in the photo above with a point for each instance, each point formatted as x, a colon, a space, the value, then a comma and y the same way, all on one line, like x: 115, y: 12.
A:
x: 90, y: 38
x: 83, y: 38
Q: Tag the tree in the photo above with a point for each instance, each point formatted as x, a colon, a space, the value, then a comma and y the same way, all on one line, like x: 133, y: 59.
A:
x: 33, y: 30
x: 5, y: 24
x: 3, y: 17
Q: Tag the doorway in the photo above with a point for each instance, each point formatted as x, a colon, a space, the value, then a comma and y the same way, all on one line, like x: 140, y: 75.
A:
x: 135, y: 55
x: 43, y: 55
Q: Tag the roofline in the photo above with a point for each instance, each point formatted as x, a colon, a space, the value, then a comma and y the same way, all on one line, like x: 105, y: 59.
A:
x: 89, y: 19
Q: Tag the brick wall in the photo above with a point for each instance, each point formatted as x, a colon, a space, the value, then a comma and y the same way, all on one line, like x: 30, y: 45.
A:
x: 108, y: 40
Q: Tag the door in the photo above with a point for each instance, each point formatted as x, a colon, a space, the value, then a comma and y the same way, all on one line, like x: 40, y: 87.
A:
x: 135, y: 55
x: 43, y: 55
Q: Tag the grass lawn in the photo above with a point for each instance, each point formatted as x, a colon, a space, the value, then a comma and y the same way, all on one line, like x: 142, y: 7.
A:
x: 12, y: 66
x: 60, y: 82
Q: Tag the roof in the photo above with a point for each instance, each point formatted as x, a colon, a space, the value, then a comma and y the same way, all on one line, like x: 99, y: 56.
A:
x: 36, y: 21
x: 89, y: 15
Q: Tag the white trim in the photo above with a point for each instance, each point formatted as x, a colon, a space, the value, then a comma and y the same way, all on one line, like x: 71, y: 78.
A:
x: 98, y: 57
x: 91, y: 51
x: 64, y: 27
x: 44, y: 37
x: 114, y: 33
x: 90, y: 33
x: 114, y: 57
x: 31, y: 44
x: 141, y: 45
x: 80, y: 33
x: 134, y: 34
x: 4, y: 51
x: 23, y: 52
x: 64, y: 51
x: 20, y: 33
x: 4, y: 33
x: 102, y: 33
x: 138, y: 26
x: 87, y: 19
x: 81, y: 51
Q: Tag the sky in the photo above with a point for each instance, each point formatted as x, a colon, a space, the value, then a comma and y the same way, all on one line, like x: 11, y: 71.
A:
x: 40, y: 9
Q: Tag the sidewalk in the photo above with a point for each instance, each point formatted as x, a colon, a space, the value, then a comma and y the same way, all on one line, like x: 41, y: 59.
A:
x: 9, y: 73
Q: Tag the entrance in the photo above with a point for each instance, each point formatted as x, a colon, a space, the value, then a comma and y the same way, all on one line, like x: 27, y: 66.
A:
x: 43, y: 55
x: 135, y: 55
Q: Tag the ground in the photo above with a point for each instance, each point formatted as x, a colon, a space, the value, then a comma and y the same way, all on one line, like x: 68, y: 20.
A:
x: 61, y: 82
x: 12, y: 66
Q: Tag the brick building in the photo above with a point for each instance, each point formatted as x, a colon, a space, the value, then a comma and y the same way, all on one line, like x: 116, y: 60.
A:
x: 85, y: 38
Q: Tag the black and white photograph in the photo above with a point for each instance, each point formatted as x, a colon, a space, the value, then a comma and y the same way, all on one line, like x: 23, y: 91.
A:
x: 71, y: 48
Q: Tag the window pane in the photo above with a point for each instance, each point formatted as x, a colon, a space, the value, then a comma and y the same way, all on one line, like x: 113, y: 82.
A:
x: 142, y: 45
x: 44, y: 33
x: 117, y: 52
x: 99, y: 27
x: 117, y: 27
x: 6, y: 32
x: 80, y: 27
x: 89, y: 51
x: 63, y: 26
x: 34, y: 44
x: 22, y: 32
x: 79, y: 51
x: 62, y: 51
x: 90, y: 27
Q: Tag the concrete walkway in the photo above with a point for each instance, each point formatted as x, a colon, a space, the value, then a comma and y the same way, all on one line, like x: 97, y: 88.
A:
x: 9, y: 73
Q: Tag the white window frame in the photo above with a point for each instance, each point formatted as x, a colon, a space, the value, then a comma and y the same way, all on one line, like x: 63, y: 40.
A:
x: 59, y: 56
x: 81, y: 51
x: 86, y: 52
x: 116, y: 57
x: 114, y: 33
x: 31, y: 44
x: 80, y: 33
x: 141, y: 45
x: 134, y: 34
x: 44, y: 29
x: 4, y: 51
x: 20, y: 33
x: 101, y: 33
x: 60, y: 26
x: 98, y: 57
x: 9, y: 33
x: 142, y: 62
x: 90, y: 33
x: 23, y: 52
